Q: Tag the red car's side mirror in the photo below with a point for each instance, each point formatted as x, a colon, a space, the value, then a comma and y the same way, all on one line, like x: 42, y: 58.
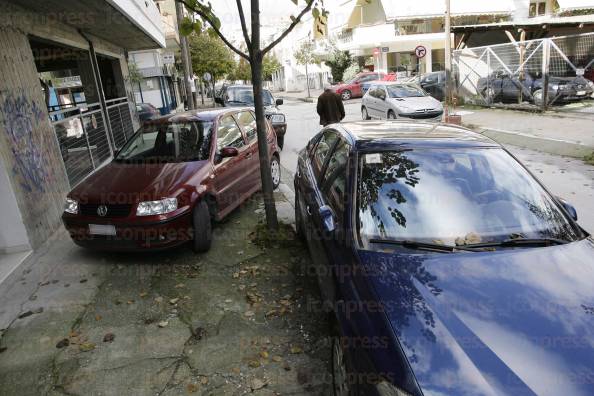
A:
x: 227, y: 152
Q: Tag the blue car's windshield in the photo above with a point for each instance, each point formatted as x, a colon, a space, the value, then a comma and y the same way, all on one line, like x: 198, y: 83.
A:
x: 454, y: 196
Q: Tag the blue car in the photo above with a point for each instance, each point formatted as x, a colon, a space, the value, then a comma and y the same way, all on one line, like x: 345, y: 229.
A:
x: 449, y: 269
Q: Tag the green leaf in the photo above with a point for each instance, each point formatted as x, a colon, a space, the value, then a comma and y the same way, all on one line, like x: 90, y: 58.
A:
x: 316, y: 13
x: 292, y: 18
x: 198, y: 26
x: 295, y: 1
x: 186, y: 27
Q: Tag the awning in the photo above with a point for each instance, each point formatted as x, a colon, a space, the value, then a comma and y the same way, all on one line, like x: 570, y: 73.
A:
x: 570, y: 5
x: 431, y: 8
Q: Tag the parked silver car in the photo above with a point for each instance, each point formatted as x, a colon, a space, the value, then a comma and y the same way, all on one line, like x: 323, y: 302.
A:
x: 386, y: 99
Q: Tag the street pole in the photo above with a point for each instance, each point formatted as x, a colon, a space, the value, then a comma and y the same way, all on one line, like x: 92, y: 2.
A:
x: 179, y: 10
x: 448, y: 60
x: 307, y: 80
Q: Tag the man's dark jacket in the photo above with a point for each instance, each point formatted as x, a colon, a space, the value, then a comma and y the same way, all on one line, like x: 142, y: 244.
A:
x: 330, y: 108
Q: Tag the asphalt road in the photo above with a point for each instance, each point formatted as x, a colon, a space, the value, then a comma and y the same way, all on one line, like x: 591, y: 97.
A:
x: 566, y: 177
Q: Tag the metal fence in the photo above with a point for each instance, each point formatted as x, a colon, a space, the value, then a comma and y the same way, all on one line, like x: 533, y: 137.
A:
x: 552, y: 73
x: 84, y: 137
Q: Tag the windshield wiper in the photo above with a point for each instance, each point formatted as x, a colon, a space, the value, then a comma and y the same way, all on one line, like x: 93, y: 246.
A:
x: 520, y: 242
x: 436, y: 247
x: 238, y: 101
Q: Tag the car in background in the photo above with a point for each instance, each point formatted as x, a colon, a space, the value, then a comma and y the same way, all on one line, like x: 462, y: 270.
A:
x: 434, y: 84
x: 147, y: 111
x: 388, y: 77
x: 502, y: 86
x: 449, y: 269
x: 167, y: 183
x: 390, y: 100
x: 352, y: 88
x: 243, y: 95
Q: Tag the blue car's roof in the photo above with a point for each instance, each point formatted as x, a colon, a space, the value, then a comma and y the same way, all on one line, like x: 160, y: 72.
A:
x: 390, y: 135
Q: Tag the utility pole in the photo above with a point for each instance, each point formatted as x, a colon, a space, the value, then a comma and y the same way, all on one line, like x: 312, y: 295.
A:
x: 187, y: 65
x: 448, y: 60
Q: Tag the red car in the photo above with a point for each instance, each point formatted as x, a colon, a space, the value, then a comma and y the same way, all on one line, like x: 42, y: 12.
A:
x: 352, y: 89
x: 174, y: 176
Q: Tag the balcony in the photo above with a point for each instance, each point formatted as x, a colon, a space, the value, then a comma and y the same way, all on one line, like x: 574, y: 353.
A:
x: 132, y: 24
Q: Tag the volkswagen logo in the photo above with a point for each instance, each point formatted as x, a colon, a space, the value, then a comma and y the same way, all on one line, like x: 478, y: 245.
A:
x: 102, y: 210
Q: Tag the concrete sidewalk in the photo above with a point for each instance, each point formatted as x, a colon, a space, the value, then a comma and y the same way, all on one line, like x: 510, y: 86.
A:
x: 561, y: 134
x: 301, y: 96
x: 243, y: 318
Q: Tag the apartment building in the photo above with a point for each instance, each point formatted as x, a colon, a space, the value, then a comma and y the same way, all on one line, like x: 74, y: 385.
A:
x: 383, y: 34
x: 66, y: 104
x: 162, y: 84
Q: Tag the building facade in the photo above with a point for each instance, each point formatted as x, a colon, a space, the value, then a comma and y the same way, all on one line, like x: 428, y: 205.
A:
x: 66, y: 104
x: 161, y: 85
x: 384, y: 34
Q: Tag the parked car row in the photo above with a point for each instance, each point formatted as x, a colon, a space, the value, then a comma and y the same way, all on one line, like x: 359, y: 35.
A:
x: 503, y: 86
x: 447, y: 267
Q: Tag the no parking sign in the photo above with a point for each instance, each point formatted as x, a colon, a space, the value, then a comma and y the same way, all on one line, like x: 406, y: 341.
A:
x: 420, y: 51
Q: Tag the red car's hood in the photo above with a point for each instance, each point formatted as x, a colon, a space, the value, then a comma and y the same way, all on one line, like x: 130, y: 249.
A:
x: 131, y: 183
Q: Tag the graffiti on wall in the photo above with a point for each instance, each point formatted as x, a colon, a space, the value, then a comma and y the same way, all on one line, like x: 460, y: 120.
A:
x: 20, y: 118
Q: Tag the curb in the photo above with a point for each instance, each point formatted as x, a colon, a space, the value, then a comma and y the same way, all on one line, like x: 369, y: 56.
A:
x: 547, y: 145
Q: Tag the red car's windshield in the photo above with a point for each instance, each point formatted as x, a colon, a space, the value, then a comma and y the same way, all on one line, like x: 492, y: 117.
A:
x: 175, y: 142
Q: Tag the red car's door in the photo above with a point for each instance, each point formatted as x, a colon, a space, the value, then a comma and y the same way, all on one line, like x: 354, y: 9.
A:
x: 247, y: 122
x: 230, y: 173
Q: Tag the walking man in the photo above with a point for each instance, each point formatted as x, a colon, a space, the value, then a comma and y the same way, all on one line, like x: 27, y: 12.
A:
x: 330, y: 107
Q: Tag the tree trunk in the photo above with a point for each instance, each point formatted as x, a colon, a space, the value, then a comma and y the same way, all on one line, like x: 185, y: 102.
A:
x: 256, y: 63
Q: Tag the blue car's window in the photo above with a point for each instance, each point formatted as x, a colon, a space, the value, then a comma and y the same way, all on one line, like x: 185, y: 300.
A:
x: 452, y: 195
x: 171, y: 142
x: 245, y: 95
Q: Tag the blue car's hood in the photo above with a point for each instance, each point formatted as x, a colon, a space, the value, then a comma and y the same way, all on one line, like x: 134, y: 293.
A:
x: 511, y: 322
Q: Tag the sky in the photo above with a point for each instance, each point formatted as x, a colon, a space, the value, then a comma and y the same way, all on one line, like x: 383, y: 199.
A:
x: 272, y: 12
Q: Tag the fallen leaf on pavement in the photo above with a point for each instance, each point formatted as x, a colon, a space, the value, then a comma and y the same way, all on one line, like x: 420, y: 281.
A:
x: 249, y: 314
x: 272, y: 312
x: 191, y: 388
x: 143, y: 294
x: 204, y: 381
x: 236, y: 370
x: 254, y: 363
x: 163, y: 324
x: 296, y: 349
x: 86, y: 346
x: 173, y: 301
x: 159, y: 300
x: 64, y: 342
x: 97, y: 317
x: 257, y: 383
x: 276, y: 358
x: 264, y: 354
x: 109, y: 337
x: 180, y: 285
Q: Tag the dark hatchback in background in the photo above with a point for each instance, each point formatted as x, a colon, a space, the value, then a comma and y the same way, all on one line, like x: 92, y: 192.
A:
x: 167, y: 183
x: 243, y: 95
x: 434, y: 84
x: 450, y: 269
x: 147, y: 111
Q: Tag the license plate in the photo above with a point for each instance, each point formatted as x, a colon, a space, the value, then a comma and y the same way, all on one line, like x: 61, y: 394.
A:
x: 102, y: 229
x: 581, y: 93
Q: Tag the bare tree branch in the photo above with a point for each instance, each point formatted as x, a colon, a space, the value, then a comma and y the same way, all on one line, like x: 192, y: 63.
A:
x: 290, y: 28
x: 216, y: 30
x: 243, y: 25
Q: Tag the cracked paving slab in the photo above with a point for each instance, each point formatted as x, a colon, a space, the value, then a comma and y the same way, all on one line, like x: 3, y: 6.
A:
x: 230, y: 322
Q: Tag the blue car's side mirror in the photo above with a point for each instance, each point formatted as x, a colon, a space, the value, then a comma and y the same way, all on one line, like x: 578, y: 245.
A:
x: 569, y: 208
x: 327, y: 218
